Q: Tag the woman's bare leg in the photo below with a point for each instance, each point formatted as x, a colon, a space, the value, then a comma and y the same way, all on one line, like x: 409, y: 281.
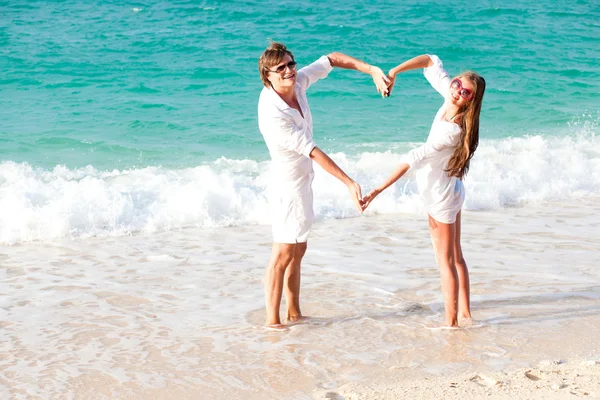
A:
x: 281, y: 256
x: 292, y: 283
x: 442, y: 237
x: 464, y: 287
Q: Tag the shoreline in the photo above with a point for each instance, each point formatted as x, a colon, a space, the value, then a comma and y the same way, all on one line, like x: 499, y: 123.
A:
x: 549, y: 379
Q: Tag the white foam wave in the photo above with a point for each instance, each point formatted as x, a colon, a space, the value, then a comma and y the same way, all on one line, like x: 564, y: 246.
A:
x: 39, y: 204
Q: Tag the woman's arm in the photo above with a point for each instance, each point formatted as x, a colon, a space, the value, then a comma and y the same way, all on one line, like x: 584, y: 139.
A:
x: 395, y: 175
x: 432, y: 147
x: 344, y: 61
x: 422, y: 61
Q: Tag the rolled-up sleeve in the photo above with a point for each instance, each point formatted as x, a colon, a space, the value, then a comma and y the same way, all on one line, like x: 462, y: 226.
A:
x: 429, y: 149
x: 283, y: 133
x: 313, y: 72
x: 437, y: 76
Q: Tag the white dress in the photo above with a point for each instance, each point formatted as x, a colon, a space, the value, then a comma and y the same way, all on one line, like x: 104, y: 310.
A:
x: 442, y: 194
x: 289, y: 137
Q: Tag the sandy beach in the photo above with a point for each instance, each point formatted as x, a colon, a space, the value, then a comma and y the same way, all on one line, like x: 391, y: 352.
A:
x: 179, y: 315
x: 550, y: 379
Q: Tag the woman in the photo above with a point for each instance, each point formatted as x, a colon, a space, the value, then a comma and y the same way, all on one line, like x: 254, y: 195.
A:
x: 442, y: 162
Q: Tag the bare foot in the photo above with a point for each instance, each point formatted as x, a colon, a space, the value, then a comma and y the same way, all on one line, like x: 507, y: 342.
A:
x: 466, y: 321
x: 442, y: 327
x: 276, y: 327
x: 298, y: 319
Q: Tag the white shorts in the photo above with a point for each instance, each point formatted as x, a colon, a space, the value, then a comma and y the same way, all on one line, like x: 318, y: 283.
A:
x: 292, y: 217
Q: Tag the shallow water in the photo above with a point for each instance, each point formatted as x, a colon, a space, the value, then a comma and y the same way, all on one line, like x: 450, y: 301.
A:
x: 179, y: 314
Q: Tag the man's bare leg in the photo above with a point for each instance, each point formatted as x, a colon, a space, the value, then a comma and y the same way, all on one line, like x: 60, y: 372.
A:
x: 281, y: 256
x: 292, y: 283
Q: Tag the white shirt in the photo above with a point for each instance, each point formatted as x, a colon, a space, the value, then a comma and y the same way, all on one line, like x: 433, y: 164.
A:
x: 287, y: 134
x: 289, y: 137
x: 442, y: 194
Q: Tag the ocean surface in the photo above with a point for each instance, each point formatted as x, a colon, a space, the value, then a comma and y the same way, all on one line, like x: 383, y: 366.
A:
x: 141, y: 117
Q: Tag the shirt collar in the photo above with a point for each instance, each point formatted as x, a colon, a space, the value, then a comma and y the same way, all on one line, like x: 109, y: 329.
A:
x: 278, y: 101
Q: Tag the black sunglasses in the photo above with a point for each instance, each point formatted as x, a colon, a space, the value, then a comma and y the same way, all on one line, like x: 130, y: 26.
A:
x: 281, y: 68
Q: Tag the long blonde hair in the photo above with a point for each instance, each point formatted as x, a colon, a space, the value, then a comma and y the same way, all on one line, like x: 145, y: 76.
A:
x: 468, y: 120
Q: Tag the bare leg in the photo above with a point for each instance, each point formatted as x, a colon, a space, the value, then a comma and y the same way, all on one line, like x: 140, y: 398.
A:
x: 442, y: 237
x: 464, y: 287
x: 292, y: 283
x: 281, y: 256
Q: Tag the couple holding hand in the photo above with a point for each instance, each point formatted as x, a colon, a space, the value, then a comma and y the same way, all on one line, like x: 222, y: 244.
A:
x: 285, y: 122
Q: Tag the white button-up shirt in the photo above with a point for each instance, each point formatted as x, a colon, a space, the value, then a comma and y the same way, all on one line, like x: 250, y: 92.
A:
x: 289, y: 137
x: 287, y: 134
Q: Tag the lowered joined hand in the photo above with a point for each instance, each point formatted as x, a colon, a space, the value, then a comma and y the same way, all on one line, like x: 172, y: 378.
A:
x: 356, y: 195
x: 369, y: 198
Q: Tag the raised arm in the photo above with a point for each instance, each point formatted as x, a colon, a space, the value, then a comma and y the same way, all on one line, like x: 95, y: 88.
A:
x: 433, y: 70
x: 344, y: 61
x: 422, y: 61
x: 331, y: 167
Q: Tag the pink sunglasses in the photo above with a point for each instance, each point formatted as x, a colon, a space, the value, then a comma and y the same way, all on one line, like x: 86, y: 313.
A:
x: 466, y: 94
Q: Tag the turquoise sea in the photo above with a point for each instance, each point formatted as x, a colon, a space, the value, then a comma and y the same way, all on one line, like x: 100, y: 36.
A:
x: 141, y: 116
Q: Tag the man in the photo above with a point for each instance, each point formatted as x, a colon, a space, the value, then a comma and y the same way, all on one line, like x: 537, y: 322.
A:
x: 285, y: 122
